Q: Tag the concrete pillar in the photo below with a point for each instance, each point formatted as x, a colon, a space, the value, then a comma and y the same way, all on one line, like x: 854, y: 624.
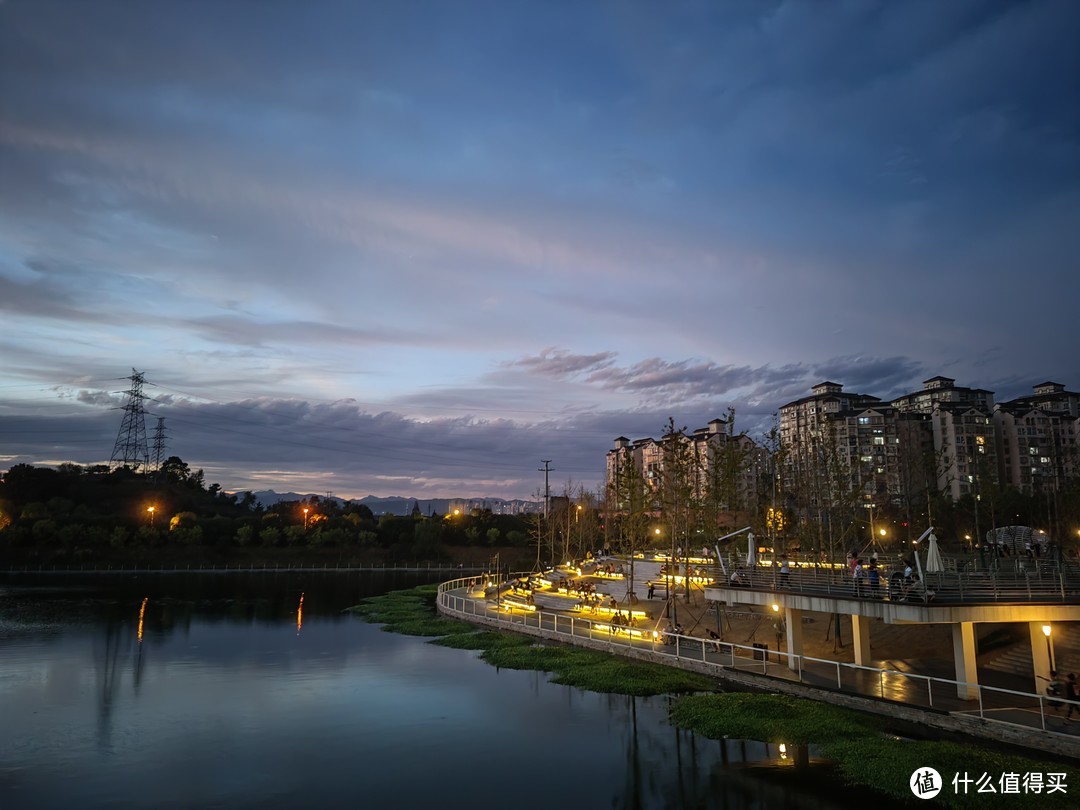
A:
x: 793, y: 620
x: 860, y: 632
x: 963, y: 644
x: 1040, y: 657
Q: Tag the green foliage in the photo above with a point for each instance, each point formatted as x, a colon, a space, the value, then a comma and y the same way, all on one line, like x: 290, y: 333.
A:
x: 887, y: 764
x: 598, y: 671
x: 409, y: 612
x: 270, y: 536
x: 245, y: 536
x: 864, y: 753
x: 770, y: 718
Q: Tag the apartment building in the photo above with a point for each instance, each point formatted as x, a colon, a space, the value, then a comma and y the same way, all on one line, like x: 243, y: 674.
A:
x: 959, y: 433
x: 707, y: 447
x: 1038, y: 436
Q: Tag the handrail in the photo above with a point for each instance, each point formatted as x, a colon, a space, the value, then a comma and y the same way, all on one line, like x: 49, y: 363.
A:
x: 799, y: 668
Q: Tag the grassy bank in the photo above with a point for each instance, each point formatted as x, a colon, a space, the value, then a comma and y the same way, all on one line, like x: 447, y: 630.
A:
x: 866, y: 752
x: 412, y: 611
x: 866, y: 748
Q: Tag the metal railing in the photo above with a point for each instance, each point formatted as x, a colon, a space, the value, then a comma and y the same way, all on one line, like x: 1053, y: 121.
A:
x: 142, y: 568
x: 910, y: 689
x: 968, y: 587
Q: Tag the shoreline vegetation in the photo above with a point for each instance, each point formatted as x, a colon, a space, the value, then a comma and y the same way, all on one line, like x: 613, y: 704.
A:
x: 870, y: 752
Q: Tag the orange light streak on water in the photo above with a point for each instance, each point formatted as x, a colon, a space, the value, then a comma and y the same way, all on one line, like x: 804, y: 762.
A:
x: 142, y: 612
x: 300, y: 615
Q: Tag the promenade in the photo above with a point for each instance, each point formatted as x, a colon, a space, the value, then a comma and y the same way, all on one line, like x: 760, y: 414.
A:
x: 917, y: 689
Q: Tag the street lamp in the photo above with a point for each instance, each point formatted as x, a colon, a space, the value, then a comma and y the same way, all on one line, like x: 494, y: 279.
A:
x: 150, y: 511
x: 1049, y: 646
x: 306, y: 510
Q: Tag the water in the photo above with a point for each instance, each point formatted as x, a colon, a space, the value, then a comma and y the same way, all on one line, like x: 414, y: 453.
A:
x: 173, y: 691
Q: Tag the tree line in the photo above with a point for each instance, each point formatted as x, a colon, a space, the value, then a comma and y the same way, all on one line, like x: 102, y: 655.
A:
x: 79, y: 513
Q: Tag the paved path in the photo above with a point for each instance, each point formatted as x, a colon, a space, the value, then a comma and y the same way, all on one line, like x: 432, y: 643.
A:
x: 914, y: 690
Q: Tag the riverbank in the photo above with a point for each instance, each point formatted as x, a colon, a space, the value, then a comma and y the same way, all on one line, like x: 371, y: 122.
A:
x: 871, y: 751
x: 173, y: 557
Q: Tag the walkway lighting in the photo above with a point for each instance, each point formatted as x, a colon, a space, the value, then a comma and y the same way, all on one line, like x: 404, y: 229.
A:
x: 1047, y: 630
x: 776, y: 608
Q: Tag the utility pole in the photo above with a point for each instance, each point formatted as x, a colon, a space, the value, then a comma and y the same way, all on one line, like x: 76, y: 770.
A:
x: 546, y: 470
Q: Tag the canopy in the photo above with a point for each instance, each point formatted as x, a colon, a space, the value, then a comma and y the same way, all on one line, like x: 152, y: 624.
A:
x: 934, y: 563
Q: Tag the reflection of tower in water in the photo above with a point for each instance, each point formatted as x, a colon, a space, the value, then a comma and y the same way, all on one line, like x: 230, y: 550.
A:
x: 109, y: 668
x: 300, y: 615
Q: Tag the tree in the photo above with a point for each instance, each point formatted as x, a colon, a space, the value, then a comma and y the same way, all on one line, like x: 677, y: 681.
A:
x: 174, y: 469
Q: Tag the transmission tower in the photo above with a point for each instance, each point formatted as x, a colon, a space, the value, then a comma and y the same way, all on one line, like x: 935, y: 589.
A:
x: 130, y: 448
x: 159, y: 444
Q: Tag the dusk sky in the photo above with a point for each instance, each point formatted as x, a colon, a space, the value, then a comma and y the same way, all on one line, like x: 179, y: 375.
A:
x: 412, y: 248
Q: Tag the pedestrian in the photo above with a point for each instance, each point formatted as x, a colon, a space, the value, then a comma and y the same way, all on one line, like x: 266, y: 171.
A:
x: 652, y: 588
x: 785, y: 572
x: 1054, y: 689
x: 875, y: 579
x: 857, y: 576
x: 1072, y: 694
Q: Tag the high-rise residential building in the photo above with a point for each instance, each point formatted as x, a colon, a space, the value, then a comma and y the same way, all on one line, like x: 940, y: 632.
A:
x: 715, y: 454
x: 941, y: 437
x: 1038, y: 438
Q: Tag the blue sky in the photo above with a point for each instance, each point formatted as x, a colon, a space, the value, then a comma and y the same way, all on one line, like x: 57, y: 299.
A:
x: 413, y: 248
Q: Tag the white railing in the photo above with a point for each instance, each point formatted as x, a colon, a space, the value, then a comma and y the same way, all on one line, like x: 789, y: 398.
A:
x: 941, y: 694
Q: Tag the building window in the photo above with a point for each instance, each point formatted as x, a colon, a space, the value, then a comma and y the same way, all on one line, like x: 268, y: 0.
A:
x: 879, y: 440
x: 864, y: 420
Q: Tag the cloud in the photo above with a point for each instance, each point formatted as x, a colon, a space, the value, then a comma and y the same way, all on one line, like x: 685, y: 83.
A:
x: 560, y: 363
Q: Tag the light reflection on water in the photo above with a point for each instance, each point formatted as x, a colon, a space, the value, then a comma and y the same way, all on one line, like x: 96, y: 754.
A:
x: 248, y: 695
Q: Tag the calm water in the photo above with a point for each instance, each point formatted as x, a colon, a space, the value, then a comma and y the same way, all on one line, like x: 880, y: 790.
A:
x: 226, y: 694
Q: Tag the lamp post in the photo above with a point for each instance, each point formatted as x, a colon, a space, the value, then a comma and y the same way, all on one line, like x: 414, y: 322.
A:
x: 150, y: 511
x: 1047, y: 630
x: 306, y: 510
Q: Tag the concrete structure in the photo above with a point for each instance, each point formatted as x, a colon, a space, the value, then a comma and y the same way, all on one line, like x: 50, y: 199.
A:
x: 962, y: 617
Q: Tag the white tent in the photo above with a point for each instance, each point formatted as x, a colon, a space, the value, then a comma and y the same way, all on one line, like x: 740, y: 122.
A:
x: 934, y: 563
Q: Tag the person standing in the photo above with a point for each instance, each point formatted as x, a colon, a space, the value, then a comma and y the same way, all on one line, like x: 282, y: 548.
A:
x: 1072, y: 694
x: 785, y: 572
x: 652, y: 588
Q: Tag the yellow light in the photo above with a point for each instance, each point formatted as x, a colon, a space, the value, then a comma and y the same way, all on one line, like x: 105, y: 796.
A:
x: 783, y: 751
x: 142, y: 612
x: 657, y: 532
x: 1046, y: 630
x: 881, y: 532
x: 776, y: 608
x: 300, y: 612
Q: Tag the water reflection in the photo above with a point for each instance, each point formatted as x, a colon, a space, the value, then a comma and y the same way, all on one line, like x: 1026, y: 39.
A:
x: 232, y: 706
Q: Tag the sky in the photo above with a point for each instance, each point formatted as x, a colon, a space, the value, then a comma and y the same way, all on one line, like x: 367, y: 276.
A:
x: 415, y: 248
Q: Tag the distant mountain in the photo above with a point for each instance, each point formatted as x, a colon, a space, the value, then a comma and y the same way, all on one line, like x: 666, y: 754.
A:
x: 397, y: 505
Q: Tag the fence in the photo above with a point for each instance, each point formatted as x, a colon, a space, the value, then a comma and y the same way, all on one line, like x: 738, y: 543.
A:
x: 139, y: 568
x: 1040, y: 584
x: 910, y: 689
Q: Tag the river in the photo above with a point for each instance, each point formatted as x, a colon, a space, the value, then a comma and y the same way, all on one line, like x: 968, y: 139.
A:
x: 255, y: 690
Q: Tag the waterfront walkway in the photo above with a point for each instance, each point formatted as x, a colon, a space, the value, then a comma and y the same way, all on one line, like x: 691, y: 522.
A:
x: 1009, y: 715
